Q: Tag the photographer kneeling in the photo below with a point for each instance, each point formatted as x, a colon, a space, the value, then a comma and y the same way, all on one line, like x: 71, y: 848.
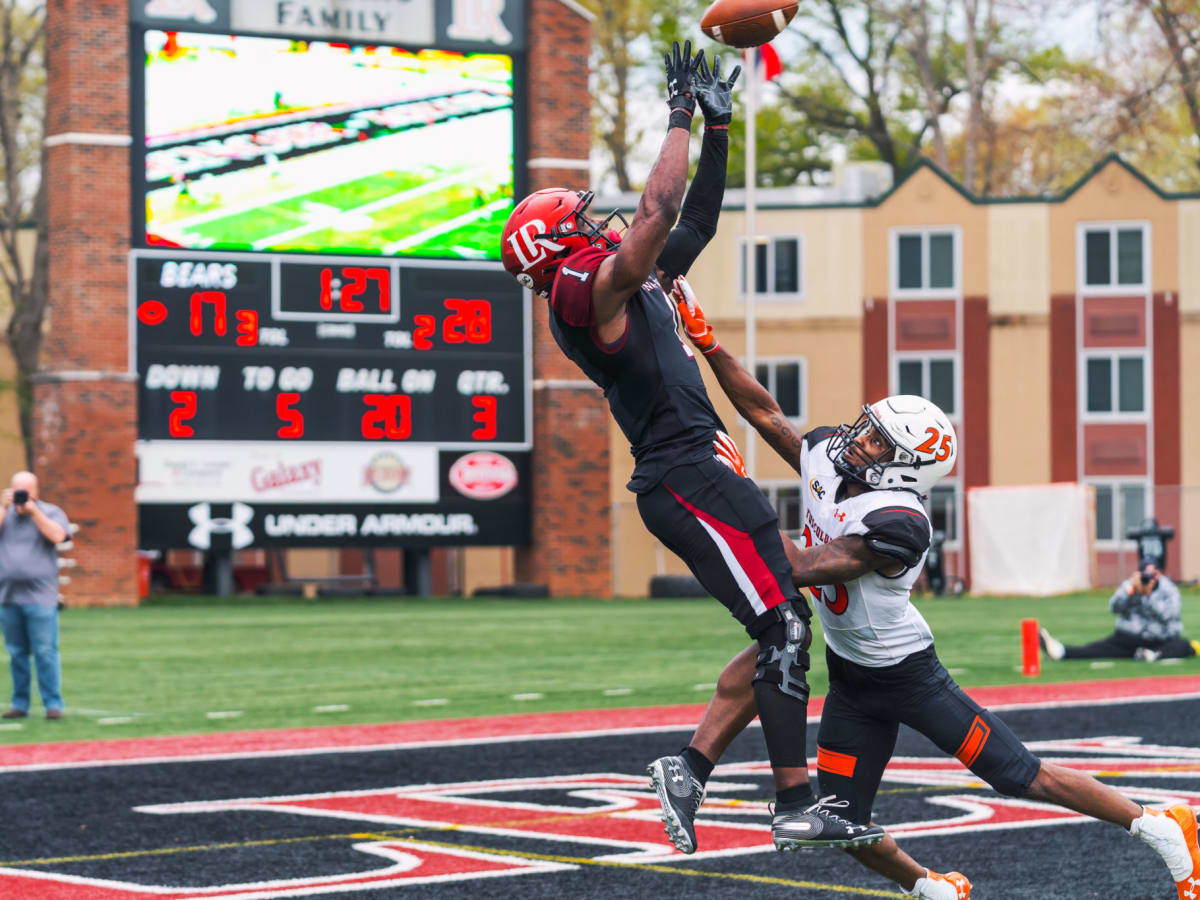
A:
x: 1149, y: 624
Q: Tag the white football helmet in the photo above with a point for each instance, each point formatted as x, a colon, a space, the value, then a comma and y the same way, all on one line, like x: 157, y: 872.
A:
x: 924, y: 442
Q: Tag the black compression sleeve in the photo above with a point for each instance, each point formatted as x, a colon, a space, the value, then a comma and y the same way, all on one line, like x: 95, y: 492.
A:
x: 701, y: 207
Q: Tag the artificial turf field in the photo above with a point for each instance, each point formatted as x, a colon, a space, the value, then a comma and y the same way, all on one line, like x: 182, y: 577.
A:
x: 542, y: 805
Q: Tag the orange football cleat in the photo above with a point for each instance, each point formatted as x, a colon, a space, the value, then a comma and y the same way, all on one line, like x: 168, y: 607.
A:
x: 938, y: 886
x: 1189, y: 887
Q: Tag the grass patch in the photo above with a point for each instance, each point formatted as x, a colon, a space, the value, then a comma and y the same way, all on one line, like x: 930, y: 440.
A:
x: 282, y: 662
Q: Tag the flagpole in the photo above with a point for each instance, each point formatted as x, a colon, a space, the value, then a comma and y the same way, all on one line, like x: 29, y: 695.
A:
x: 751, y: 323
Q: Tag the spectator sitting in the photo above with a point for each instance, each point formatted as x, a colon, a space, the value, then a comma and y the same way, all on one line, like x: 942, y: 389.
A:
x: 1149, y: 624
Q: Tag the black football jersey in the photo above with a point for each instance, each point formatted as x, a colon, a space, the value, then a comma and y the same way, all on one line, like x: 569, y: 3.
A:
x: 649, y: 376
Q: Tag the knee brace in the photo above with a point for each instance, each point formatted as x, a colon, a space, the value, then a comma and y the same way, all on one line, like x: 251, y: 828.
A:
x: 783, y: 660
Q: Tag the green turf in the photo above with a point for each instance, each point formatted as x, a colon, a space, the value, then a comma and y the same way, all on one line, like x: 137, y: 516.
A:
x: 170, y: 662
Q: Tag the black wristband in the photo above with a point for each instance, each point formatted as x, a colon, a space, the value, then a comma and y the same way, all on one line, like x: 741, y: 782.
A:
x: 680, y: 118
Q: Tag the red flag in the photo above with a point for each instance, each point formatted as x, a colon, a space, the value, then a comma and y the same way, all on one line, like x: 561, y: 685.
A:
x: 772, y: 67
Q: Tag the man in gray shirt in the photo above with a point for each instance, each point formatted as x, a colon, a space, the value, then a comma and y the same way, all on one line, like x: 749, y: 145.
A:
x: 1149, y: 623
x: 30, y: 531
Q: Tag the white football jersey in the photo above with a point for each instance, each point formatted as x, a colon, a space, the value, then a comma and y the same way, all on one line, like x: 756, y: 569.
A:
x: 871, y: 620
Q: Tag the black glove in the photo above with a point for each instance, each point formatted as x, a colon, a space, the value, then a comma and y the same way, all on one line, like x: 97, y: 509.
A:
x: 714, y: 95
x: 681, y: 83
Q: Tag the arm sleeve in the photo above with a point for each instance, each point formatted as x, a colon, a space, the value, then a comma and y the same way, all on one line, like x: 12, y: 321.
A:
x: 571, y: 295
x: 701, y: 207
x: 898, y: 532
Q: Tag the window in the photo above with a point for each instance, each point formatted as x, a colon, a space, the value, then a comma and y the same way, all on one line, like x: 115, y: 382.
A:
x: 931, y: 377
x: 777, y: 267
x: 1120, y: 506
x: 1114, y: 383
x: 1113, y: 256
x: 786, y: 500
x: 942, y: 506
x: 784, y: 380
x: 925, y: 261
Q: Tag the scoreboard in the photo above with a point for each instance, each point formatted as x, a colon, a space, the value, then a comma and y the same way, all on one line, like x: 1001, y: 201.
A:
x: 331, y: 399
x: 327, y: 349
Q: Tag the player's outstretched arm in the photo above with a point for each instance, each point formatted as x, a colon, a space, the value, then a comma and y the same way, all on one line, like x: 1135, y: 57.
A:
x: 702, y: 205
x: 842, y: 559
x: 753, y: 402
x: 622, y: 274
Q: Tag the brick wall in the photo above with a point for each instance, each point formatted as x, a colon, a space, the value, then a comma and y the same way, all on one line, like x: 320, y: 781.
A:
x: 572, y: 521
x: 85, y: 402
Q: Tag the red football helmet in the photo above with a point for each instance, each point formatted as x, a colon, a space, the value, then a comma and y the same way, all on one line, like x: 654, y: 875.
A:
x: 546, y: 228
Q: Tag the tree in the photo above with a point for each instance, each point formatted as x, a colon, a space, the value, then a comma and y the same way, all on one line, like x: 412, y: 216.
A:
x: 849, y: 83
x: 789, y: 151
x: 23, y: 195
x: 1179, y: 24
x: 628, y: 38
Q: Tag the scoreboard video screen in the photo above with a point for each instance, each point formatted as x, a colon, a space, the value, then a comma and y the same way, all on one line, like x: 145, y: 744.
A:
x: 319, y: 147
x: 328, y: 352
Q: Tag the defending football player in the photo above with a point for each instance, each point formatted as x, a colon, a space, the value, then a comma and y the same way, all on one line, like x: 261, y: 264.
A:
x: 866, y: 534
x: 610, y: 315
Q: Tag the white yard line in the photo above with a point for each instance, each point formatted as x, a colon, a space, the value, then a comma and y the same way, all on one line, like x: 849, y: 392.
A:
x: 421, y: 236
x: 368, y: 208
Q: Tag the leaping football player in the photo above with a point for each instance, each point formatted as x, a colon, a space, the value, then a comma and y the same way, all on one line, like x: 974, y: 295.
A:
x: 866, y: 534
x: 610, y: 315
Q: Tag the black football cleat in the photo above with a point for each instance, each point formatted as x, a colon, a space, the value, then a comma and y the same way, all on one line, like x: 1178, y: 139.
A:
x: 817, y: 825
x: 680, y: 793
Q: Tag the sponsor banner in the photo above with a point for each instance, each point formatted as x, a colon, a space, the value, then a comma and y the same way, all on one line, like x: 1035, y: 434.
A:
x: 239, y: 526
x: 215, y: 471
x: 501, y: 519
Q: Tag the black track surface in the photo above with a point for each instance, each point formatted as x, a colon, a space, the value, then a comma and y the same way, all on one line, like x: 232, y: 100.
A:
x: 87, y: 815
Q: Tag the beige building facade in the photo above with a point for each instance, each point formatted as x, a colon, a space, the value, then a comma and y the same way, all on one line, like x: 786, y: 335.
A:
x: 1061, y: 334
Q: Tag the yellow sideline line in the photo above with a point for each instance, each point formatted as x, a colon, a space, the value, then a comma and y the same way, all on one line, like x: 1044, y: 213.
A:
x: 397, y: 836
x: 649, y: 867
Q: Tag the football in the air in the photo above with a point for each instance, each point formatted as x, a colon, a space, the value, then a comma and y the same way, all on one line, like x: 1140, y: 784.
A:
x: 747, y: 23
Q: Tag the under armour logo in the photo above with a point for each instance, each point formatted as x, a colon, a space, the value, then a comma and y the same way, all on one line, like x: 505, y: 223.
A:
x: 839, y: 515
x: 675, y: 772
x: 237, y: 525
x: 182, y: 9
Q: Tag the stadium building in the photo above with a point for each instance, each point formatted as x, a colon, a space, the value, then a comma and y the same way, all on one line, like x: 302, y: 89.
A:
x: 1055, y: 330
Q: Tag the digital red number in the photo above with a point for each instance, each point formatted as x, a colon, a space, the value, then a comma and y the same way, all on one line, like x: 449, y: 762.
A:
x: 479, y: 321
x: 293, y: 421
x: 450, y: 324
x: 327, y: 288
x: 485, y: 415
x: 180, y: 414
x: 383, y: 278
x: 196, y: 319
x: 358, y: 284
x: 247, y: 327
x: 841, y: 597
x: 474, y: 317
x: 426, y: 325
x: 388, y: 416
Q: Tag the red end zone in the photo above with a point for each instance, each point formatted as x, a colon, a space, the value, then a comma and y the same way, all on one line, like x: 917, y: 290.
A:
x: 357, y: 738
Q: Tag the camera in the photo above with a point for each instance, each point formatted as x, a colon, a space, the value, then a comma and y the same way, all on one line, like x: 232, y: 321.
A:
x: 20, y: 497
